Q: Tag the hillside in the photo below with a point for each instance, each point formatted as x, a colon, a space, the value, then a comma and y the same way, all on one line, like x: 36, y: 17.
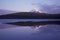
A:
x: 30, y: 15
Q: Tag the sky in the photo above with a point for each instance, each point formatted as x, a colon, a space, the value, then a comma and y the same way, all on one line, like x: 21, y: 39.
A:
x: 49, y: 6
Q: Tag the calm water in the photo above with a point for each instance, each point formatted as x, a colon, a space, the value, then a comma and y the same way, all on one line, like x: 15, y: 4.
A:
x: 42, y: 32
x: 18, y: 20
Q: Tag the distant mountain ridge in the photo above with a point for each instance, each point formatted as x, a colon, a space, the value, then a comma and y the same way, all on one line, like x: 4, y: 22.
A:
x: 30, y: 15
x: 3, y: 12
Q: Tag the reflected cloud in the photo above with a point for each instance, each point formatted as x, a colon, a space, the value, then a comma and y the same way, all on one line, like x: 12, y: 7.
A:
x: 38, y: 27
x: 45, y: 32
x: 4, y: 26
x: 48, y: 31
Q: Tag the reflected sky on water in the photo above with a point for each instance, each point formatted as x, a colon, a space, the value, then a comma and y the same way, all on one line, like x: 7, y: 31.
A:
x: 24, y: 20
x: 42, y: 32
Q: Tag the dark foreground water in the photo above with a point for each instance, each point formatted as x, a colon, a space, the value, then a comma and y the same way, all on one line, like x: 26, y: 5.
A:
x: 43, y: 32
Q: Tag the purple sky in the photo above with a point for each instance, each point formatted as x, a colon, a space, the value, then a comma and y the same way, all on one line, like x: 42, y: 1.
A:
x: 49, y: 6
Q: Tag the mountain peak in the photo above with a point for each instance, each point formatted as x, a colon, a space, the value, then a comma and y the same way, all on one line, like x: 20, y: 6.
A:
x: 36, y: 10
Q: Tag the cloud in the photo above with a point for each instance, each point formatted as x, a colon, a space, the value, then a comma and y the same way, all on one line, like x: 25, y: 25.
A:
x: 49, y: 6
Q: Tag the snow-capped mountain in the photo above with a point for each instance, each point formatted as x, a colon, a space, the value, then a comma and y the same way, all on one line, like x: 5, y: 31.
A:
x: 36, y: 10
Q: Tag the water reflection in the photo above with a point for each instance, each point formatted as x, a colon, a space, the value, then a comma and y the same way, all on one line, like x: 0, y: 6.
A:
x: 45, y: 32
x: 37, y: 27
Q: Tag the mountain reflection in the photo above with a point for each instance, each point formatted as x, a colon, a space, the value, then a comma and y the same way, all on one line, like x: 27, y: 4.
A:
x: 37, y: 27
x: 38, y: 32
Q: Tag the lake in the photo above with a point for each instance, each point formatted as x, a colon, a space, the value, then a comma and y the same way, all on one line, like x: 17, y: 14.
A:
x: 24, y: 20
x: 41, y: 32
